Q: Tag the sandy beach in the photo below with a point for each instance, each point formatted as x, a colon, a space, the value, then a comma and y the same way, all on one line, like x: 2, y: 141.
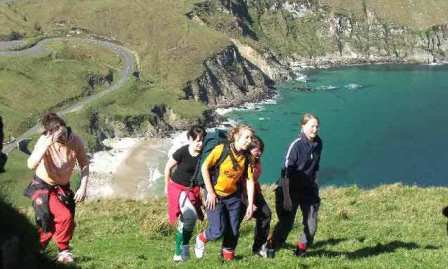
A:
x: 132, y: 168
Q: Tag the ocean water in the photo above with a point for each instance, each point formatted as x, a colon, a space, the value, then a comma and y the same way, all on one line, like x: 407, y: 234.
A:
x: 379, y: 124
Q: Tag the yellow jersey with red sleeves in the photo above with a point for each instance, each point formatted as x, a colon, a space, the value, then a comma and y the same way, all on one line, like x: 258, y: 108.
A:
x: 228, y: 178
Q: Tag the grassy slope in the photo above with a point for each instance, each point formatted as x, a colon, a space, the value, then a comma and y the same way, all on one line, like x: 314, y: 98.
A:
x: 13, y: 21
x: 278, y: 30
x: 171, y: 49
x: 31, y: 86
x: 417, y: 15
x: 381, y: 228
x: 125, y: 234
x: 168, y: 58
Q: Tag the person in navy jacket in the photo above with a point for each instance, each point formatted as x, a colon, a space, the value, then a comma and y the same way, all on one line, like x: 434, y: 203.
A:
x: 298, y: 186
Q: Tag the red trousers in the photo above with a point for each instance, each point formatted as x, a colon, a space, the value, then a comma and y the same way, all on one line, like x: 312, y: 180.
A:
x: 63, y: 223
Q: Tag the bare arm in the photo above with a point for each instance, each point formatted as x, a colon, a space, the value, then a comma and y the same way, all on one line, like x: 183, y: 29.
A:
x: 211, y: 195
x: 40, y: 148
x: 83, y: 162
x: 167, y: 172
x: 250, y: 188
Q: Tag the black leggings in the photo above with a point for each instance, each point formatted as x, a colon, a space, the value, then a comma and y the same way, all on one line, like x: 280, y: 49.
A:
x: 286, y: 219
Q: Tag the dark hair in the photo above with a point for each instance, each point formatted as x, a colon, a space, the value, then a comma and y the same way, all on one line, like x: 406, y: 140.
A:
x: 257, y: 142
x: 196, y: 131
x: 51, y: 122
x: 445, y: 211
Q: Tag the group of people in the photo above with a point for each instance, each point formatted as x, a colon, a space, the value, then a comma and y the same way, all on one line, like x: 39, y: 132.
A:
x: 230, y: 174
x: 3, y: 156
x: 224, y: 181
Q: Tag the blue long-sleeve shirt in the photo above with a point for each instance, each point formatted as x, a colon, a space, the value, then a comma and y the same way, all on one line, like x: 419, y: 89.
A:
x: 301, y: 164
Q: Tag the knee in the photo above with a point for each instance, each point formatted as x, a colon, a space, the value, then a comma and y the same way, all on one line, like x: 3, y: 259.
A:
x: 214, y: 233
x: 188, y: 224
x: 267, y: 213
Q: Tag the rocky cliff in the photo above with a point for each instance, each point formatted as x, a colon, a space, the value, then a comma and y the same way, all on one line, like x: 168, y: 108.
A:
x: 229, y: 80
x: 310, y: 32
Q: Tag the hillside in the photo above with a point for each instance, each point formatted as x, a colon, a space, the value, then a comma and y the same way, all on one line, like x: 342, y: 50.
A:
x: 333, y: 32
x: 195, y: 55
x: 182, y: 68
x: 380, y: 228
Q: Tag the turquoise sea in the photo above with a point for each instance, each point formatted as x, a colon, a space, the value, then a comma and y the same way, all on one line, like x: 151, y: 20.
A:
x: 379, y: 124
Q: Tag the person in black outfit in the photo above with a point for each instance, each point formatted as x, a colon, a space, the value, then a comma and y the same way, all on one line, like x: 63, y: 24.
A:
x: 262, y: 212
x: 445, y: 213
x: 183, y: 192
x: 3, y: 156
x: 1, y: 134
x: 298, y: 186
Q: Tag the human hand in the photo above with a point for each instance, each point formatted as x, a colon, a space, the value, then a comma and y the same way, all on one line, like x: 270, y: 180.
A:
x: 80, y: 194
x: 249, y: 212
x: 210, y: 203
x: 51, y: 138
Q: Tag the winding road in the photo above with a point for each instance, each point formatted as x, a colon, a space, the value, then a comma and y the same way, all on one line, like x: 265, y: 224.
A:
x: 129, y: 66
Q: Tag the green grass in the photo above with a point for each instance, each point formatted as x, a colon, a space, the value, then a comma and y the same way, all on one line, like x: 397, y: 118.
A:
x: 392, y: 226
x: 417, y: 15
x: 128, y: 112
x: 170, y: 46
x: 29, y: 86
x: 16, y: 178
x: 171, y: 50
x: 14, y: 23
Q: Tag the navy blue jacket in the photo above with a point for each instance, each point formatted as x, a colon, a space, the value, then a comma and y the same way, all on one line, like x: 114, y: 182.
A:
x: 301, y: 164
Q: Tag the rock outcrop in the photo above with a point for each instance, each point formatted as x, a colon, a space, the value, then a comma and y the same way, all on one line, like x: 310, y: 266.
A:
x: 229, y: 80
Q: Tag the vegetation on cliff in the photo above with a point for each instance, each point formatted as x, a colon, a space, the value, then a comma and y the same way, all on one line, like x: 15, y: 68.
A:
x: 333, y: 31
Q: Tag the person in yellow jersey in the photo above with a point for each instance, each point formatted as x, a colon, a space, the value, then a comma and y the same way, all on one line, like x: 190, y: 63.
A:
x: 222, y: 182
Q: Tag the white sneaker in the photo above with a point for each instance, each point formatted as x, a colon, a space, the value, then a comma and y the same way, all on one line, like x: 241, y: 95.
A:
x: 177, y: 258
x: 185, y: 252
x: 65, y: 257
x: 199, y: 248
x: 263, y: 252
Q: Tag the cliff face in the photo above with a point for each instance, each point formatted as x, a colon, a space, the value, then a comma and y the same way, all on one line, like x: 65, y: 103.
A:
x: 229, y: 80
x: 368, y: 39
x: 306, y: 32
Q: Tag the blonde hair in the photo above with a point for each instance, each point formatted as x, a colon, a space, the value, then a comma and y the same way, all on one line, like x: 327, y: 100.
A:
x: 307, y: 117
x: 236, y: 131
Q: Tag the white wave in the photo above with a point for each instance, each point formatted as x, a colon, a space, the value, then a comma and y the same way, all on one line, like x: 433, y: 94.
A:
x: 248, y: 106
x: 154, y: 174
x: 270, y: 102
x: 353, y: 86
x: 223, y: 111
x: 106, y: 162
x: 326, y: 87
x: 177, y: 140
x: 227, y: 124
x: 301, y: 77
